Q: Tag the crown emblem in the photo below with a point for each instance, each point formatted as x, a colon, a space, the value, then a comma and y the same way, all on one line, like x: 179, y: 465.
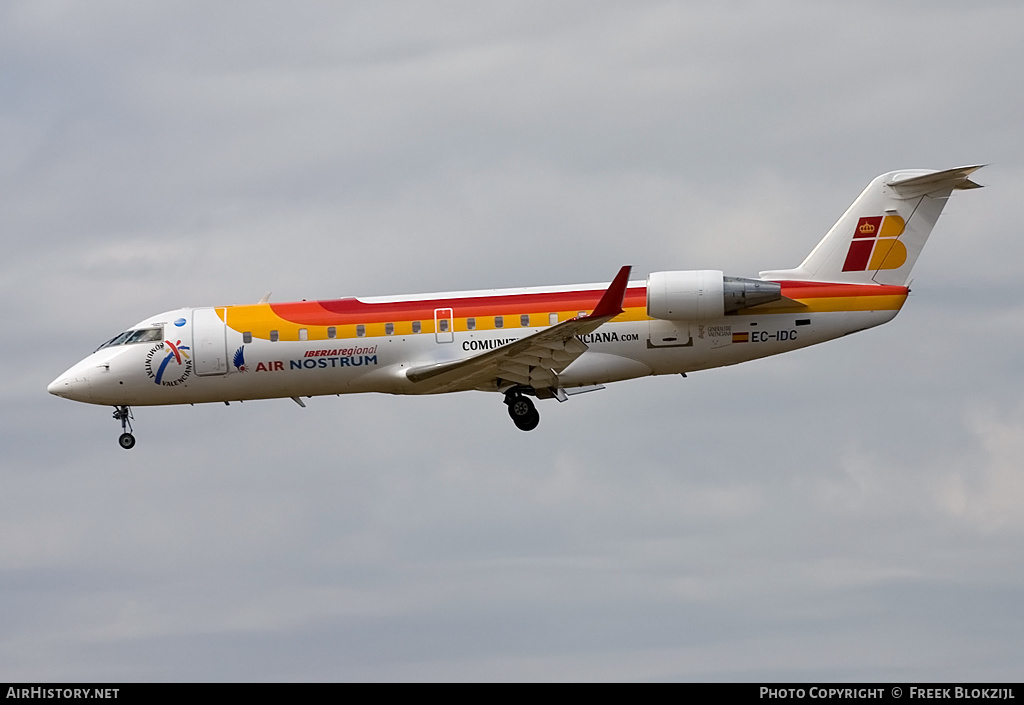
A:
x: 867, y: 228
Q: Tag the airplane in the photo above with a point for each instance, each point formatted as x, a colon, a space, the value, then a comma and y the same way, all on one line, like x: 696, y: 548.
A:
x: 543, y: 342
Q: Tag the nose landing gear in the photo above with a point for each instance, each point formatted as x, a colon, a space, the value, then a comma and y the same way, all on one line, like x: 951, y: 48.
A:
x: 524, y: 414
x: 124, y: 414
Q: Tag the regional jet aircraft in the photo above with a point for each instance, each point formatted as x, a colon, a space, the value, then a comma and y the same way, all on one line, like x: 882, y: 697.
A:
x: 540, y: 342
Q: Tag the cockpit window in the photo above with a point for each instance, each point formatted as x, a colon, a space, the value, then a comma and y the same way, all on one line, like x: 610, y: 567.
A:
x: 141, y: 335
x: 117, y: 340
x: 146, y: 335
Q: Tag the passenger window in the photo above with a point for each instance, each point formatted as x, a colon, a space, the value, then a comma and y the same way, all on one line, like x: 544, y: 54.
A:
x: 443, y: 324
x: 274, y: 336
x: 470, y: 324
x: 389, y: 329
x: 247, y: 337
x: 332, y: 332
x: 416, y: 327
x: 499, y: 321
x: 303, y: 334
x: 524, y: 320
x: 361, y: 330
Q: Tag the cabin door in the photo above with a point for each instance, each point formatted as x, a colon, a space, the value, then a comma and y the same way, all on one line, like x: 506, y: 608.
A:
x: 209, y: 342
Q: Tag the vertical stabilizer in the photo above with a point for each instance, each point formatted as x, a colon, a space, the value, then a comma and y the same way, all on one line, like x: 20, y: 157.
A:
x: 878, y: 239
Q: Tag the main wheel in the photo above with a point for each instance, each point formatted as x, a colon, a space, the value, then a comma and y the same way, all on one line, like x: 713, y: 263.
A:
x: 126, y: 441
x: 528, y: 423
x: 524, y: 414
x: 520, y: 408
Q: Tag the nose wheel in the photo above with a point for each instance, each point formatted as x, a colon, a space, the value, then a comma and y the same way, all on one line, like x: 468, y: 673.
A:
x: 524, y: 414
x: 124, y: 414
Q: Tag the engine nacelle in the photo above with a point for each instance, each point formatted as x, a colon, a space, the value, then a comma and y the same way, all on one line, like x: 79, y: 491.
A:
x: 704, y: 294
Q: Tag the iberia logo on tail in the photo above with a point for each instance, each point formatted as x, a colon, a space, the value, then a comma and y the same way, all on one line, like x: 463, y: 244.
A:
x: 876, y: 244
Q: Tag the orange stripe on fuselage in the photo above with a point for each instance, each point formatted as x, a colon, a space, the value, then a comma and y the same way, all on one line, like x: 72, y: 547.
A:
x: 345, y: 314
x: 819, y: 297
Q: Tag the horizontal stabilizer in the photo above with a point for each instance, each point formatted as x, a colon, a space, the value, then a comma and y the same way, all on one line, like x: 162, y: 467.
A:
x: 913, y: 186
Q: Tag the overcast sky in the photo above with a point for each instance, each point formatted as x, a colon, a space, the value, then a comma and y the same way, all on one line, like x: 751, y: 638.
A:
x: 852, y: 511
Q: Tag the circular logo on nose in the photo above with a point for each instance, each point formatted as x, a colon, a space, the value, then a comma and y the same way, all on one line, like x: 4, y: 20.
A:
x: 168, y: 364
x: 180, y: 322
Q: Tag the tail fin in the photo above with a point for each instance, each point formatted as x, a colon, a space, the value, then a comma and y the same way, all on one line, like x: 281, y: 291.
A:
x: 878, y: 239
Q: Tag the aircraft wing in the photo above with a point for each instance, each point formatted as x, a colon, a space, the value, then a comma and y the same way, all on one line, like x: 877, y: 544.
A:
x: 534, y: 361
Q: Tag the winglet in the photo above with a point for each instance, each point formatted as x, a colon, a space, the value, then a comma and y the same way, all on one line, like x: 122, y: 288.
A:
x: 611, y: 303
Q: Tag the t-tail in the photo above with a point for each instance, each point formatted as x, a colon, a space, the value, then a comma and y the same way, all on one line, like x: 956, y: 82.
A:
x: 878, y: 239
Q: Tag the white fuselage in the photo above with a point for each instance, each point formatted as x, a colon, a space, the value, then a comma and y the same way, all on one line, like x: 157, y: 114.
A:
x: 200, y: 358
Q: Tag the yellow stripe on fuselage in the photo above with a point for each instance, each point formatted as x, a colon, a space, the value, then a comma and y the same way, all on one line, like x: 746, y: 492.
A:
x: 260, y: 319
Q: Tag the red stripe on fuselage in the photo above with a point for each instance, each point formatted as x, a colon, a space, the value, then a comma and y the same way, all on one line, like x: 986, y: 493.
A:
x: 352, y: 310
x: 814, y: 290
x: 343, y: 311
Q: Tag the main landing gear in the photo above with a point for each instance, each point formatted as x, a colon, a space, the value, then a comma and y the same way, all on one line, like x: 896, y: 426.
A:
x: 524, y: 414
x: 124, y: 415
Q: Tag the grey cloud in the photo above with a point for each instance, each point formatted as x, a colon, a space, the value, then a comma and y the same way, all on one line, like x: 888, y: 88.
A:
x: 845, y: 512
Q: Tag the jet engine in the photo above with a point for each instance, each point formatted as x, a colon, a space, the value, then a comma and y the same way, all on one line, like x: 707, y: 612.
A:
x: 704, y: 294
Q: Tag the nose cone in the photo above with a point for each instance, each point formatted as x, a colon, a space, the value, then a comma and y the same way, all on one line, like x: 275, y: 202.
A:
x: 70, y: 386
x: 56, y: 387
